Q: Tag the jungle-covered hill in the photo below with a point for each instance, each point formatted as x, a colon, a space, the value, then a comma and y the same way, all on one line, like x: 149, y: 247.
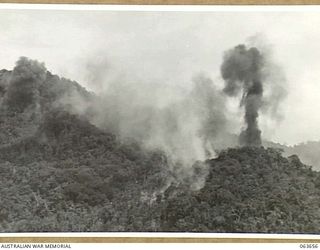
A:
x: 59, y: 172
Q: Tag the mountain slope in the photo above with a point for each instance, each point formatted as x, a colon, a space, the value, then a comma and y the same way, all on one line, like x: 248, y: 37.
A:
x: 70, y: 168
x: 59, y: 172
x: 249, y: 190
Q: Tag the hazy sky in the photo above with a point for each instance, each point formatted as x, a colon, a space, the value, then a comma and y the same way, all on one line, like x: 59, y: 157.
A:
x: 170, y: 48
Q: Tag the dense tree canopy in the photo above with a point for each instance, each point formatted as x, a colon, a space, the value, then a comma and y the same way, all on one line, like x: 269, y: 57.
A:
x: 59, y: 172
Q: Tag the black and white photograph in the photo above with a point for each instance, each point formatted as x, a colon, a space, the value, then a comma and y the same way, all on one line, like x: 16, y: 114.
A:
x: 200, y: 120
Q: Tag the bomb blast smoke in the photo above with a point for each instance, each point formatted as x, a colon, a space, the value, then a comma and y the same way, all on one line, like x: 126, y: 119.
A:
x: 242, y: 72
x: 23, y: 89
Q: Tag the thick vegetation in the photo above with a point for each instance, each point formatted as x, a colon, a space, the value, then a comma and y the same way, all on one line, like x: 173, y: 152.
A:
x: 58, y: 172
x: 250, y: 190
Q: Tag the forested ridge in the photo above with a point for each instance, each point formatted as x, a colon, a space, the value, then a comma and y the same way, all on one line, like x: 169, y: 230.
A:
x: 59, y: 172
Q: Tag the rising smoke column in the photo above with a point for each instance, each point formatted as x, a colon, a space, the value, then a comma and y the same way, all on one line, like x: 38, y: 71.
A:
x: 242, y: 71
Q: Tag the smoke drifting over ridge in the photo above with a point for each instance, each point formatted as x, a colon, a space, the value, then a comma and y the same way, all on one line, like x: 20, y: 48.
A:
x: 186, y: 125
x: 189, y: 125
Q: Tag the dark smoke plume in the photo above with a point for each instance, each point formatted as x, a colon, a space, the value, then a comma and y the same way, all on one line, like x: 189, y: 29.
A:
x: 24, y: 84
x: 242, y: 71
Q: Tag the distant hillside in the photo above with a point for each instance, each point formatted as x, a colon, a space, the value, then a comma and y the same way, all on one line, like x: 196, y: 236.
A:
x: 59, y: 172
x: 308, y: 152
